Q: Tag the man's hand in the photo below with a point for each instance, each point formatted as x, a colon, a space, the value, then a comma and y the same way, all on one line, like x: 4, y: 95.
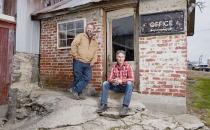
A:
x: 119, y: 81
x: 91, y: 64
x: 116, y: 81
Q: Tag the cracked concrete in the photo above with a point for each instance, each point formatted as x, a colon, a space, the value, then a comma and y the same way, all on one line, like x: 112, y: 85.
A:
x: 56, y: 110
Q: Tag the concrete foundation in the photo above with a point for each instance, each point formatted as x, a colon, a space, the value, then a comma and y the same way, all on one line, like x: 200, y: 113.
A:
x: 156, y: 103
x: 3, y: 110
x: 167, y: 104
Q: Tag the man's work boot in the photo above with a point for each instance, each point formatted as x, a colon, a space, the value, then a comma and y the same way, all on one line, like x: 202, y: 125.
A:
x: 75, y: 95
x: 82, y: 96
x: 124, y: 111
x: 102, y: 108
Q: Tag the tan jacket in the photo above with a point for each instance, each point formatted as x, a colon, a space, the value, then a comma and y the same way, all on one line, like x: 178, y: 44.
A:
x: 84, y: 50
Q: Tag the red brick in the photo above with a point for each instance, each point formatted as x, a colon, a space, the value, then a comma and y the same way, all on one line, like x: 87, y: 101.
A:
x: 150, y: 52
x: 150, y: 60
x: 181, y: 72
x: 56, y: 64
x: 175, y: 75
x: 167, y: 86
x: 160, y: 90
x: 173, y: 90
x: 159, y: 52
x: 151, y: 38
x: 181, y: 48
x: 156, y: 78
x: 155, y: 93
x: 166, y: 94
x: 179, y: 94
x: 145, y: 92
x: 141, y: 38
x: 162, y: 82
x: 182, y: 91
x: 162, y: 45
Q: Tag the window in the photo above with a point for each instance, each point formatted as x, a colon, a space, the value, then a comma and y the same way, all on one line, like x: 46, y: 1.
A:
x: 123, y: 37
x: 67, y: 31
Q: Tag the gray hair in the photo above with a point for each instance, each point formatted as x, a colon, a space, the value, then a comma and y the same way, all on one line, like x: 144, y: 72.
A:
x: 122, y: 52
x: 91, y: 24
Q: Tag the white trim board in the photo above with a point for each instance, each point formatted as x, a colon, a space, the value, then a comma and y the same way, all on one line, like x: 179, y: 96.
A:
x: 7, y: 18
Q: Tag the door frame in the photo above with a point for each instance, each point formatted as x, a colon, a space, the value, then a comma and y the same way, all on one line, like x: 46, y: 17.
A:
x: 136, y: 46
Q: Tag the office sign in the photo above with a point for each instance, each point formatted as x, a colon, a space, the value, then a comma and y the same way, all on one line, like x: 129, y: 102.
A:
x: 162, y: 23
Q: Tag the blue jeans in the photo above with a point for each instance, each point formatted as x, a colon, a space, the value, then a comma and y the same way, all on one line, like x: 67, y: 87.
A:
x: 123, y: 89
x: 82, y: 75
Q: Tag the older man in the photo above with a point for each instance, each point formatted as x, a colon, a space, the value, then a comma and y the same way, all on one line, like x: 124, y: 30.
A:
x: 120, y: 80
x: 84, y: 51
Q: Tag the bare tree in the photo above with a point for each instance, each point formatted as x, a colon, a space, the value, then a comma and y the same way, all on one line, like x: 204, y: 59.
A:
x: 191, y: 7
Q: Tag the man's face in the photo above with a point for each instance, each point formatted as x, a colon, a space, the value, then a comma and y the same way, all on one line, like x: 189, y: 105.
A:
x: 120, y: 58
x: 89, y: 30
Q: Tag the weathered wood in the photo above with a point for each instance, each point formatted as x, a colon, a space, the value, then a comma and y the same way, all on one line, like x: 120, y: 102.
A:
x: 10, y: 7
x: 106, y: 5
x: 4, y: 86
x: 136, y: 47
x: 191, y: 21
x: 117, y: 4
x: 11, y: 114
x: 51, y: 2
x: 104, y: 16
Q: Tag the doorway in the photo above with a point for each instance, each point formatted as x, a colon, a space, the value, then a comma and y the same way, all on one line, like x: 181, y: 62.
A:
x: 121, y: 36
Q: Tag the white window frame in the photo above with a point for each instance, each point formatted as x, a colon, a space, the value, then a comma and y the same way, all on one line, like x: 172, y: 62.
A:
x: 67, y: 21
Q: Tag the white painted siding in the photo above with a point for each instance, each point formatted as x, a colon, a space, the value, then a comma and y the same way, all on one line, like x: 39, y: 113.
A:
x: 1, y: 6
x: 27, y: 31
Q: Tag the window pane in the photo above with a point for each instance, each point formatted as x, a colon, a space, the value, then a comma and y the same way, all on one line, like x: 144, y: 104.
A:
x: 80, y: 24
x: 71, y: 34
x: 79, y: 31
x: 122, y: 37
x: 69, y: 41
x: 62, y: 43
x: 62, y: 35
x: 62, y: 27
x: 70, y: 26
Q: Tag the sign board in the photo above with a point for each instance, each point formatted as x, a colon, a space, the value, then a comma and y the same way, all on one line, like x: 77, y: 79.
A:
x: 163, y: 23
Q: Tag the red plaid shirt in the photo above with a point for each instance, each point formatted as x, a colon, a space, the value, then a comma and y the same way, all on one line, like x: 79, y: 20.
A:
x: 124, y: 72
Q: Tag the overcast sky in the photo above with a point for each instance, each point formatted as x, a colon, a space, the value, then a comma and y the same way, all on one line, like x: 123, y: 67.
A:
x: 199, y: 44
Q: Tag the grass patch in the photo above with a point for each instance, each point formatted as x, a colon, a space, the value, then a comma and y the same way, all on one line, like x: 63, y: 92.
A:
x: 198, y: 99
x: 202, y: 93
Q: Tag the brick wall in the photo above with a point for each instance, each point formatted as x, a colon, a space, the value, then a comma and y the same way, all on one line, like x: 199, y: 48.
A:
x: 56, y: 64
x: 163, y: 65
x: 163, y: 59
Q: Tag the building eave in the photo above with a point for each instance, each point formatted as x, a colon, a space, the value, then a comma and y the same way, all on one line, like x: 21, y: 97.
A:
x: 7, y: 18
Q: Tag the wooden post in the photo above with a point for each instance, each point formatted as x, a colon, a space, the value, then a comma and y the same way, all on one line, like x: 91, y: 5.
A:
x: 11, y: 114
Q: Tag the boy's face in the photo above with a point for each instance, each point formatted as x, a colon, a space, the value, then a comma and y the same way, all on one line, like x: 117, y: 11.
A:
x: 120, y: 58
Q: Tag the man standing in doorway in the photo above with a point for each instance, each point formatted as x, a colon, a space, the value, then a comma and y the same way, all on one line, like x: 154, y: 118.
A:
x: 84, y: 51
x: 120, y: 80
